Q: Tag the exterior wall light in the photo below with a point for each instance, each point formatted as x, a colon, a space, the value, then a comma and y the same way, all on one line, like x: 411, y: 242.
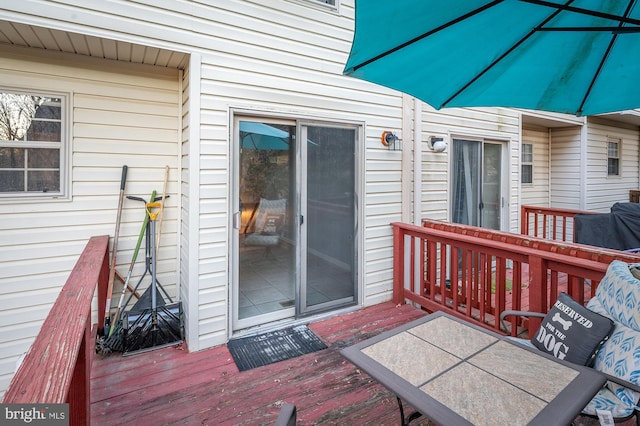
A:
x: 437, y: 144
x: 391, y: 141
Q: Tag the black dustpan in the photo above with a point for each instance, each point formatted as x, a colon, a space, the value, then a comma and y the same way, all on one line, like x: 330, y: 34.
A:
x: 152, y: 324
x: 152, y: 328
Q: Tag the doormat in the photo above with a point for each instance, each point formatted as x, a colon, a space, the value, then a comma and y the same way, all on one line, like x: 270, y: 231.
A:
x: 274, y: 346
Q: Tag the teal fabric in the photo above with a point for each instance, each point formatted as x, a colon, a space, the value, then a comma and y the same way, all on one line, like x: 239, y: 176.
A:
x: 448, y: 67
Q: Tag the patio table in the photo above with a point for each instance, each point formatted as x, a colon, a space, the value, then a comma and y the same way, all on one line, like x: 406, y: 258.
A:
x: 456, y: 373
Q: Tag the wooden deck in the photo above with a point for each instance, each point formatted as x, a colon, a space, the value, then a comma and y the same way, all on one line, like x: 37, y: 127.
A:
x: 171, y: 386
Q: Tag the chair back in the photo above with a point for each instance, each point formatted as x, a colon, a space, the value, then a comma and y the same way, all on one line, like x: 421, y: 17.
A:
x: 271, y: 216
x: 287, y: 416
x: 618, y: 297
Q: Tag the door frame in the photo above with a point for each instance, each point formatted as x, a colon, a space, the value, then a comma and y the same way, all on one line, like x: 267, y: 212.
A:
x: 504, y: 174
x: 236, y: 114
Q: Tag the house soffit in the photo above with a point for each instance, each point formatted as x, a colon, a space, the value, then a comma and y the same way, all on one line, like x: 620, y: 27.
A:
x: 555, y: 120
x: 32, y: 36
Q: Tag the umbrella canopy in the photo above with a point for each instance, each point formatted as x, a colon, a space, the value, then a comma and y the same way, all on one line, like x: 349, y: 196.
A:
x: 575, y: 56
x: 254, y: 135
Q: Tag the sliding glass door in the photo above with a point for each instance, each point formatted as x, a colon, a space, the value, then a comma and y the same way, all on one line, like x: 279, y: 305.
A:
x: 477, y: 183
x: 294, y: 250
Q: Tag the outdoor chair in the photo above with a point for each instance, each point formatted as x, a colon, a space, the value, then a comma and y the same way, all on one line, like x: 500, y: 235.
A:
x: 269, y: 223
x: 287, y: 416
x: 617, y: 355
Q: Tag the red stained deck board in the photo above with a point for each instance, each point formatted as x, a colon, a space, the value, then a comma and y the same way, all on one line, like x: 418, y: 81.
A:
x: 170, y: 386
x: 363, y: 324
x: 174, y: 366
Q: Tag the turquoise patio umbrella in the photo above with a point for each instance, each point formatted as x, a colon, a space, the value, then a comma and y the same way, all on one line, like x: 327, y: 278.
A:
x: 261, y: 136
x: 579, y: 57
x: 256, y: 135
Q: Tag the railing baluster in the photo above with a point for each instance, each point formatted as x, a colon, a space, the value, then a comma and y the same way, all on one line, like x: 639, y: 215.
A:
x: 423, y: 269
x: 460, y: 264
x: 398, y: 266
x: 443, y: 276
x: 412, y: 265
x: 455, y: 278
x: 549, y: 214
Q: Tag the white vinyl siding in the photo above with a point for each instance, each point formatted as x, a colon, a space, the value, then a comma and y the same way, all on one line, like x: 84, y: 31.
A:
x: 579, y: 178
x: 537, y: 194
x: 605, y: 190
x: 122, y: 114
x: 565, y: 168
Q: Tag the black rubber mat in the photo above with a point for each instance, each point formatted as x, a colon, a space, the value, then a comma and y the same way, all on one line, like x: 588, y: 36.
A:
x: 274, y: 346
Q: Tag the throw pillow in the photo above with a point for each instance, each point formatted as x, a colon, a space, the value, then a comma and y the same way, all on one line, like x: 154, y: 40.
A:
x: 572, y: 332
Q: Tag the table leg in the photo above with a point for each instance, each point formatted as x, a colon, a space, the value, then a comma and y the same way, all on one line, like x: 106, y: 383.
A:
x: 405, y: 421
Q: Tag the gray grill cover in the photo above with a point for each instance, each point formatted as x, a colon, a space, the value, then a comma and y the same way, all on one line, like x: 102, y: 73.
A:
x: 619, y: 230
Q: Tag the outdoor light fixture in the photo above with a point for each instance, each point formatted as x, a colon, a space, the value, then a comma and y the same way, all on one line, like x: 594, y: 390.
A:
x: 437, y: 144
x: 391, y: 141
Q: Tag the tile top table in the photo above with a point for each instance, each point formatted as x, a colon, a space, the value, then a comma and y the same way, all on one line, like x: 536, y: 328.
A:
x: 456, y: 373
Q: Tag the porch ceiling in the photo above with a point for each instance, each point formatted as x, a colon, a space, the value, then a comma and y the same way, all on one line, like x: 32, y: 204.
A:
x: 25, y: 35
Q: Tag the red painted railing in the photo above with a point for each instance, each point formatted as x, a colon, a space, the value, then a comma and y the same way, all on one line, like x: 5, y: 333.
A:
x: 548, y: 222
x: 57, y: 367
x: 475, y: 273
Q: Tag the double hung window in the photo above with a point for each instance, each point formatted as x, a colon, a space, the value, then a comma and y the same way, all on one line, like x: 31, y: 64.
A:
x: 613, y: 158
x: 527, y: 163
x: 32, y: 139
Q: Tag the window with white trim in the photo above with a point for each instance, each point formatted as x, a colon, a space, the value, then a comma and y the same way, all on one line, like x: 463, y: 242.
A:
x: 526, y: 163
x: 32, y: 139
x: 613, y: 157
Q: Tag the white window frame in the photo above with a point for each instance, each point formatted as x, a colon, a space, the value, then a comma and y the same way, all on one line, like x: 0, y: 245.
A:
x: 524, y: 163
x: 618, y: 144
x: 64, y: 145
